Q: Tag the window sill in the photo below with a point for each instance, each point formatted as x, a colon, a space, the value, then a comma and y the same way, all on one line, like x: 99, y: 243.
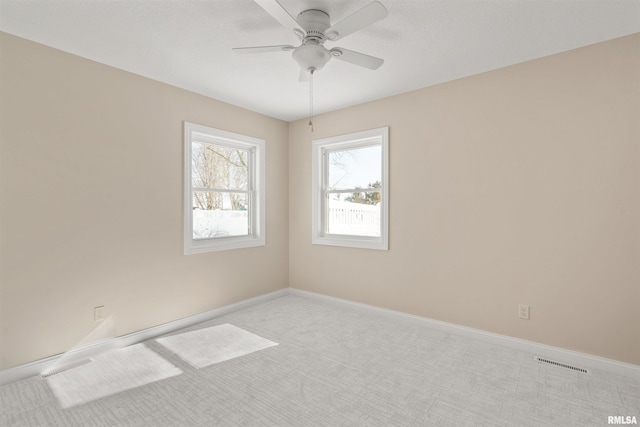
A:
x: 376, y: 243
x: 213, y: 245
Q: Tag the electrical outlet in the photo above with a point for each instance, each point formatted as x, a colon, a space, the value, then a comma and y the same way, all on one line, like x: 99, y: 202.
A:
x: 523, y: 311
x: 98, y: 313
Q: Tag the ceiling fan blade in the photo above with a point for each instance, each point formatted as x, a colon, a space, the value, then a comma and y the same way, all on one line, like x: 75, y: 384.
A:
x: 261, y: 49
x: 276, y: 10
x: 369, y: 14
x: 357, y: 58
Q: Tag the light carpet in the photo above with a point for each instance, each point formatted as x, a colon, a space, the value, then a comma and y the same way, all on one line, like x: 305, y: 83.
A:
x: 110, y: 373
x: 215, y: 344
x: 335, y: 366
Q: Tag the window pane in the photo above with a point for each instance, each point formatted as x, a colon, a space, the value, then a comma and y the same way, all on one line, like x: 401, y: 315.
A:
x: 355, y: 214
x: 217, y: 166
x: 218, y: 214
x: 356, y: 168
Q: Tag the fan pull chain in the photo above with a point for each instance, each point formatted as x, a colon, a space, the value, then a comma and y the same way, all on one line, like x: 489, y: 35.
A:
x: 311, y: 70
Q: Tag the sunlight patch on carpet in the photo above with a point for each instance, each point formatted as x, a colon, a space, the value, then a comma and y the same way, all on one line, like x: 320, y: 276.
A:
x: 216, y: 344
x: 110, y: 373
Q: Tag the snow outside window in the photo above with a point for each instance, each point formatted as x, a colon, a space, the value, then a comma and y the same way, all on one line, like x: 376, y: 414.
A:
x: 224, y: 190
x: 350, y: 190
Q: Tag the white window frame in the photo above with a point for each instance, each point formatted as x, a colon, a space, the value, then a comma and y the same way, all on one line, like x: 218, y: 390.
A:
x: 256, y: 189
x: 320, y: 192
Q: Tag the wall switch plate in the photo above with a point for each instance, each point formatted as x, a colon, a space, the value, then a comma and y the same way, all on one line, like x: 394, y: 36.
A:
x: 98, y: 313
x: 523, y: 311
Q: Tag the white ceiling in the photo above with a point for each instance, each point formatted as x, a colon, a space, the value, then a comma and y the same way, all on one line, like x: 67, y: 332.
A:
x: 187, y: 43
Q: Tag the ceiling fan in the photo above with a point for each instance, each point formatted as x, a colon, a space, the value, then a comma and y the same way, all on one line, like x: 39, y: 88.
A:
x: 313, y: 28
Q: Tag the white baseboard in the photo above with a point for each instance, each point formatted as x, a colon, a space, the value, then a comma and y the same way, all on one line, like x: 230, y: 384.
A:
x: 39, y: 366
x: 569, y: 357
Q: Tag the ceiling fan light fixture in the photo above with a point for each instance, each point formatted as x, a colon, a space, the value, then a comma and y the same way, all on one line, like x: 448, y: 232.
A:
x: 311, y: 57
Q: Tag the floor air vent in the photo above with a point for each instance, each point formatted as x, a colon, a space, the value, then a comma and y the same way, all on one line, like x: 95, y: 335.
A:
x: 64, y: 368
x: 562, y: 365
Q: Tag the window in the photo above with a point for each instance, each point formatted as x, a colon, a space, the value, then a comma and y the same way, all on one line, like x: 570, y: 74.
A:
x: 351, y: 190
x: 224, y: 190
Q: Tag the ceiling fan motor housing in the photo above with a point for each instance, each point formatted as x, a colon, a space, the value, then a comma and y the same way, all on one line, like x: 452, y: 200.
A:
x: 315, y: 23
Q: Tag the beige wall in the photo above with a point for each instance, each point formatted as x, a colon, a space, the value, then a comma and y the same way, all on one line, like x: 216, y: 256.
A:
x: 520, y: 185
x: 91, y: 203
